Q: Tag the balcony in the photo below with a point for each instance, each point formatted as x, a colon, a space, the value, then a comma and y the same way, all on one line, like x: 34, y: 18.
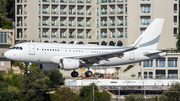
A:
x: 103, y: 24
x: 80, y: 13
x: 72, y: 1
x: 112, y: 36
x: 45, y: 23
x: 80, y: 25
x: 112, y: 12
x: 111, y: 1
x: 72, y: 24
x: 120, y: 0
x: 88, y: 13
x: 103, y: 12
x: 103, y: 1
x: 72, y: 13
x: 45, y: 0
x: 88, y: 25
x: 88, y: 37
x: 120, y: 12
x: 103, y: 36
x: 45, y: 36
x: 53, y: 11
x: 63, y: 36
x: 63, y: 24
x: 63, y: 12
x: 120, y: 24
x: 112, y: 24
x: 63, y: 1
x: 88, y: 1
x: 80, y: 36
x: 54, y: 23
x: 120, y: 35
x: 19, y: 1
x: 80, y: 1
x: 45, y: 11
x: 54, y: 36
x: 175, y: 23
x: 72, y: 36
x: 55, y: 1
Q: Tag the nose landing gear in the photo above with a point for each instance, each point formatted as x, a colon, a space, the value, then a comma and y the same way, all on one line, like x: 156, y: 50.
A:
x: 28, y: 71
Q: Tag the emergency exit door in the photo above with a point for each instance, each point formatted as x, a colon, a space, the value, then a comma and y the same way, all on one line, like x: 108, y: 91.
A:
x: 31, y: 49
x: 131, y: 55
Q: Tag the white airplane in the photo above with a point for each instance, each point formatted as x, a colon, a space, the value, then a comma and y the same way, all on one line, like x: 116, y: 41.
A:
x: 51, y: 56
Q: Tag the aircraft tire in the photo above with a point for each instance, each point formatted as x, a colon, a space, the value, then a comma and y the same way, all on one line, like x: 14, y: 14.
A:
x: 28, y: 72
x: 88, y: 73
x: 74, y: 74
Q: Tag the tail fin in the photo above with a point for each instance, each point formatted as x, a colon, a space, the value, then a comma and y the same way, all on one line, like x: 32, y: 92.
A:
x: 149, y: 39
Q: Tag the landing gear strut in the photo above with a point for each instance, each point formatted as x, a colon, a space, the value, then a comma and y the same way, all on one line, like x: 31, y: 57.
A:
x: 74, y: 74
x: 88, y: 73
x: 28, y: 71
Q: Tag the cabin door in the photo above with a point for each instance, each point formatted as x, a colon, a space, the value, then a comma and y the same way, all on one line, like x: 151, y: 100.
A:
x: 31, y: 49
x: 131, y: 55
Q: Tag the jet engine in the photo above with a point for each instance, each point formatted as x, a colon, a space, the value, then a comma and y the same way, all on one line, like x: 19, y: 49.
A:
x: 69, y: 64
x: 48, y: 67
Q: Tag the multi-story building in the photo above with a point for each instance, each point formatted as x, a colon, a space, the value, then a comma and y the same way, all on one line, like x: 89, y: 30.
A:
x: 6, y: 42
x: 102, y: 22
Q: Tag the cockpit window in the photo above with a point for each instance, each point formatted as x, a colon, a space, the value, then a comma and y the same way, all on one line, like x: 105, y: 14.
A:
x: 14, y: 48
x: 18, y: 48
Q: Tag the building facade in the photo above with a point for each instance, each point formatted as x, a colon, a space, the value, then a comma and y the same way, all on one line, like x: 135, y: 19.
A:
x: 6, y: 42
x: 103, y: 22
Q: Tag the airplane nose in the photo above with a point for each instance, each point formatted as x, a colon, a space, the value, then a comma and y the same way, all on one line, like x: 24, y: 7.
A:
x: 6, y: 54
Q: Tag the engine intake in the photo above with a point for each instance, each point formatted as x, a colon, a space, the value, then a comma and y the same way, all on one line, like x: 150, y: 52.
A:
x: 69, y: 64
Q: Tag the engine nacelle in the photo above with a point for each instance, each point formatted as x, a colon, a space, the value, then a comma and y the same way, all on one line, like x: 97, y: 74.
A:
x: 48, y: 67
x: 69, y: 64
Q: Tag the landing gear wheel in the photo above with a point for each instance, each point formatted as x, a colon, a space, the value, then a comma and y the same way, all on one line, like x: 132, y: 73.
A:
x: 88, y: 73
x: 74, y: 74
x: 28, y: 71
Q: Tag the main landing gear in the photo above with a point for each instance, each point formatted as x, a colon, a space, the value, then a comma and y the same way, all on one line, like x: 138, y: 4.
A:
x: 88, y: 73
x: 74, y: 74
x: 28, y: 71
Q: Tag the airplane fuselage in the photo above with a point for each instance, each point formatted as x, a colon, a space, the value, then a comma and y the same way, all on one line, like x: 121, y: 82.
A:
x: 43, y: 53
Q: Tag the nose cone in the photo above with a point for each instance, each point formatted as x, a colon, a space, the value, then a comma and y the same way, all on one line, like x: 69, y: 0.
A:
x: 7, y: 54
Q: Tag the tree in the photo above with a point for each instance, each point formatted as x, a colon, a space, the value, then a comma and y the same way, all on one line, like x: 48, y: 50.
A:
x: 3, y: 11
x: 178, y: 42
x: 56, y: 78
x: 173, y: 93
x: 34, y: 85
x: 86, y: 94
x: 134, y: 97
x: 10, y: 7
x: 65, y: 94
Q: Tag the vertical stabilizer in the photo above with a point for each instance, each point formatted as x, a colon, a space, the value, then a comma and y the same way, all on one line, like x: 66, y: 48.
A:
x: 150, y: 38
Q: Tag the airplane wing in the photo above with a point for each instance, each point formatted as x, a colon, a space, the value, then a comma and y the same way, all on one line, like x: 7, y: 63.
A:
x: 94, y: 58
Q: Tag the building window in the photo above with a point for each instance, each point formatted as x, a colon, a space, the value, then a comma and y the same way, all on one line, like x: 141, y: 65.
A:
x: 160, y: 74
x: 172, y: 62
x: 3, y: 37
x: 2, y: 63
x: 145, y: 8
x: 148, y: 63
x: 172, y: 74
x: 160, y: 62
x: 145, y: 20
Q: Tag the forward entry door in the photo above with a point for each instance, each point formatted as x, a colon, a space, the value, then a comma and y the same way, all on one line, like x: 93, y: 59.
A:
x: 131, y: 55
x: 31, y: 49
